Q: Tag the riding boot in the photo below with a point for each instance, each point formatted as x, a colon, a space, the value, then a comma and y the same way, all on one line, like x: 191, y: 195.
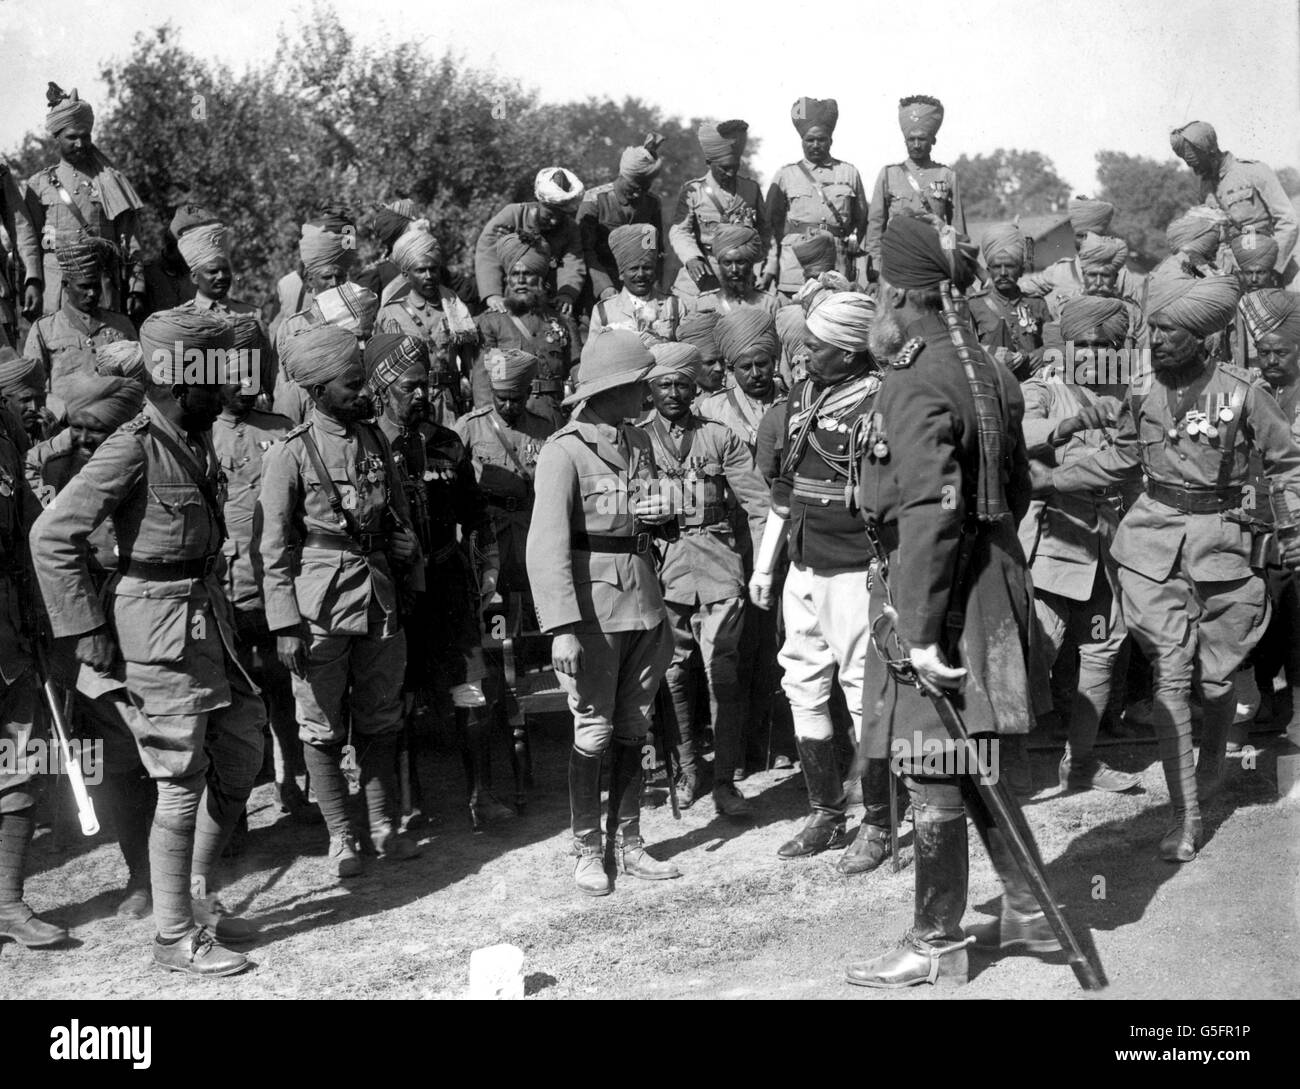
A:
x: 824, y: 828
x: 584, y: 804
x: 475, y: 730
x: 623, y: 823
x: 870, y: 847
x: 1216, y: 722
x: 377, y: 757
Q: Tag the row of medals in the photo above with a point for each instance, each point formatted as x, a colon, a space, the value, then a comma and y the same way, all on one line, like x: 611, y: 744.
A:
x: 1197, y: 423
x: 880, y: 449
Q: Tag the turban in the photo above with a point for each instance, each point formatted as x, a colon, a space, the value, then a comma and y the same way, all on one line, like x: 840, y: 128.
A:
x: 724, y: 140
x: 513, y: 250
x: 1091, y: 215
x: 404, y: 208
x: 69, y: 112
x: 701, y: 329
x: 335, y: 217
x: 120, y: 359
x: 611, y: 358
x: 319, y: 247
x: 416, y: 247
x: 745, y: 328
x: 388, y: 225
x: 18, y: 372
x: 94, y: 401
x: 842, y: 319
x: 807, y: 113
x: 1101, y: 253
x: 1200, y: 305
x: 1272, y: 310
x: 316, y: 356
x: 639, y: 163
x: 168, y: 336
x: 792, y: 329
x: 1197, y: 134
x: 920, y: 115
x: 673, y: 358
x: 1252, y: 250
x: 83, y: 258
x: 736, y: 236
x: 1003, y: 240
x: 558, y: 187
x: 388, y: 356
x: 633, y: 241
x: 1094, y: 317
x: 817, y: 248
x: 349, y: 306
x: 188, y: 216
x: 243, y: 366
x: 509, y: 370
x: 1196, y: 232
x: 915, y: 254
x: 202, y: 246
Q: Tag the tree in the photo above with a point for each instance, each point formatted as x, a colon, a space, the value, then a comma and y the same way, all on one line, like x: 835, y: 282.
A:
x: 1148, y: 195
x: 999, y: 186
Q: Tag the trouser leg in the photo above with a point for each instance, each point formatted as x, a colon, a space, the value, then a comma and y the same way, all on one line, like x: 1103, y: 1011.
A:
x: 718, y: 627
x: 678, y: 680
x: 171, y: 854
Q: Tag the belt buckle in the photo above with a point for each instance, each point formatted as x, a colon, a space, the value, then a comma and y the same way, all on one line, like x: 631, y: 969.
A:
x: 642, y: 543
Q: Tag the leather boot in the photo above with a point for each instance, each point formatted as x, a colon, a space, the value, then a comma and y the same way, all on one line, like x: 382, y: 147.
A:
x: 623, y: 825
x: 1212, y: 767
x: 197, y: 954
x: 1182, y: 841
x: 584, y: 804
x: 688, y: 782
x: 824, y: 828
x: 474, y: 728
x: 934, y: 950
x: 870, y: 847
x: 1023, y: 924
x: 17, y: 920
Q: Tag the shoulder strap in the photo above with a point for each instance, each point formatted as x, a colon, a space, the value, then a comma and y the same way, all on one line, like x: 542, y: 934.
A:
x: 344, y: 517
x: 821, y: 192
x: 506, y: 444
x: 514, y: 318
x: 1227, y: 440
x: 604, y: 314
x: 66, y: 197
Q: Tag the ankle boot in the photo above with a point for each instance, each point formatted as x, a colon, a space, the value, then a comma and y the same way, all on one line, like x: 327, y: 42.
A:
x: 870, y: 847
x: 584, y: 804
x: 934, y: 950
x: 1212, y: 767
x: 623, y: 824
x: 1023, y: 925
x: 824, y: 829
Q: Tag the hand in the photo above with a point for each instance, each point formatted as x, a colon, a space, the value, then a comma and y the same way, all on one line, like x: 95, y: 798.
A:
x: 291, y: 649
x: 1040, y: 479
x: 760, y: 589
x: 496, y: 303
x: 403, y: 547
x: 654, y: 509
x: 97, y: 650
x: 566, y: 654
x: 697, y: 268
x: 135, y: 306
x: 767, y: 282
x: 565, y: 306
x: 933, y: 672
x: 1089, y: 418
x: 33, y: 296
x: 1291, y: 553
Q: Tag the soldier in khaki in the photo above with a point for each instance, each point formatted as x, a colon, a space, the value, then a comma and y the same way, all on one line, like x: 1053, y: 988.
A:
x: 1067, y: 538
x: 1009, y: 323
x: 1190, y: 595
x: 817, y: 195
x: 83, y: 197
x: 338, y: 556
x: 626, y: 201
x: 639, y: 305
x: 701, y: 329
x: 23, y: 413
x: 597, y: 593
x: 504, y: 440
x: 703, y: 576
x: 196, y: 717
x: 736, y: 252
x: 918, y: 185
x: 722, y: 196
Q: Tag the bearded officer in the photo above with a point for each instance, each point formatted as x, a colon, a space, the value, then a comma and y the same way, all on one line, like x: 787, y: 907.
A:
x: 196, y: 716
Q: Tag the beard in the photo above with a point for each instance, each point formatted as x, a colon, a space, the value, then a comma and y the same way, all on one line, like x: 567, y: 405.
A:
x: 886, y: 338
x: 523, y: 304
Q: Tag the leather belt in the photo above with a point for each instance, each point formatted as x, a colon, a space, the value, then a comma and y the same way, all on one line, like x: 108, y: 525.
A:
x: 197, y: 568
x: 637, y: 545
x: 510, y: 503
x: 343, y: 542
x: 1194, y: 500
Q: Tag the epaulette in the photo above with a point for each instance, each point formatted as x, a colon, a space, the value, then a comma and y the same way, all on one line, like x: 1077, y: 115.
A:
x: 482, y: 411
x: 596, y: 190
x: 1241, y: 374
x: 301, y: 429
x: 911, y: 350
x: 134, y: 427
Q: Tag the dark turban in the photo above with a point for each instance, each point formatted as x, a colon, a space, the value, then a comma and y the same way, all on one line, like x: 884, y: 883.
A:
x: 736, y: 236
x: 513, y: 250
x: 1252, y: 250
x: 673, y: 358
x: 246, y: 367
x: 919, y: 115
x: 510, y: 370
x: 19, y: 372
x: 1201, y: 306
x: 724, y: 140
x: 1091, y: 215
x: 167, y: 336
x: 1196, y: 232
x: 915, y: 254
x: 1004, y: 240
x: 639, y: 163
x: 1094, y: 317
x: 808, y: 113
x: 1103, y: 253
x: 1197, y: 134
x: 69, y: 112
x: 416, y: 247
x: 388, y: 356
x: 633, y: 241
x: 817, y: 248
x: 320, y: 247
x: 90, y: 400
x: 792, y: 329
x: 701, y: 329
x: 389, y: 225
x: 316, y: 356
x: 745, y: 328
x: 1272, y: 310
x: 83, y: 258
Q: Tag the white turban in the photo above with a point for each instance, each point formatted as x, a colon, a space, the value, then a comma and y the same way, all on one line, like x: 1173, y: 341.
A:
x: 843, y: 319
x: 557, y: 186
x: 200, y: 246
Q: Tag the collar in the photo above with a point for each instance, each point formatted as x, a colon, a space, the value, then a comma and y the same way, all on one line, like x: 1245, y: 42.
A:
x: 1225, y: 164
x: 929, y: 164
x: 711, y: 179
x: 830, y: 164
x: 202, y: 302
x: 392, y: 431
x: 87, y: 323
x: 159, y: 419
x: 328, y: 425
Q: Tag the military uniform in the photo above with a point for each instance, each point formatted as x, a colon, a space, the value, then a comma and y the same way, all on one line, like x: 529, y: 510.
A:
x: 701, y: 206
x: 740, y: 412
x: 506, y: 481
x: 546, y: 334
x: 94, y: 194
x: 705, y: 301
x: 806, y: 198
x: 916, y: 189
x: 450, y: 352
x: 656, y: 316
x: 1254, y: 200
x: 1063, y: 280
x: 65, y: 341
x: 601, y: 211
x: 1014, y: 324
x: 569, y: 268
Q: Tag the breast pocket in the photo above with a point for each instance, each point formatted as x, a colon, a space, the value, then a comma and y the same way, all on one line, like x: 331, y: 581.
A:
x: 154, y: 621
x: 1241, y: 205
x: 177, y: 521
x: 606, y: 502
x: 839, y: 197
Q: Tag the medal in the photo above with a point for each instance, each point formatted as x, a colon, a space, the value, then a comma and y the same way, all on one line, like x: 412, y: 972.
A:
x: 880, y: 450
x: 1225, y: 415
x: 1173, y: 434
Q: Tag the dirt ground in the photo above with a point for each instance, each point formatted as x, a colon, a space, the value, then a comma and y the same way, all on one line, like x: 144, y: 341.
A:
x: 740, y: 923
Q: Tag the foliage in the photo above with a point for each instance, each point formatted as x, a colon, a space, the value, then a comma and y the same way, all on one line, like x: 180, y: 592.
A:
x: 998, y: 186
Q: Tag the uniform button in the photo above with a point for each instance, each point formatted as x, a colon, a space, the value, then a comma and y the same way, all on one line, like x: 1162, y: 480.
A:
x: 825, y: 502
